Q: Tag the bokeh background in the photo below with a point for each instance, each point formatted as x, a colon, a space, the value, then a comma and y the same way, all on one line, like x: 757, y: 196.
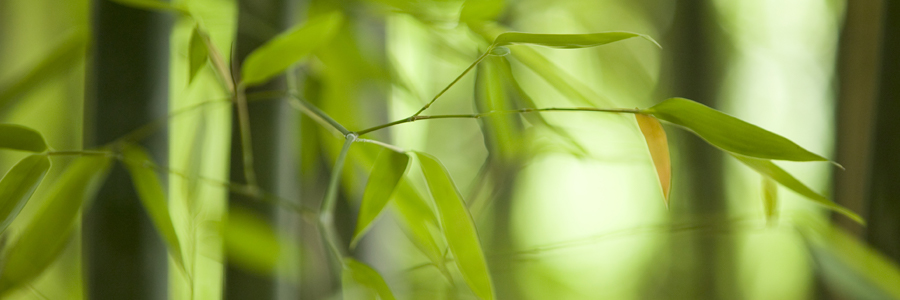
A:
x: 569, y: 210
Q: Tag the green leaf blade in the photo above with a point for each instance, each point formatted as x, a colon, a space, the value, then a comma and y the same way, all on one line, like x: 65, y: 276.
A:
x: 769, y: 169
x: 44, y: 238
x: 153, y: 198
x: 729, y: 133
x: 18, y: 185
x: 288, y: 48
x: 358, y: 275
x: 417, y: 217
x: 198, y: 54
x: 459, y: 227
x: 17, y: 137
x: 153, y: 5
x: 386, y: 174
x: 251, y: 243
x: 566, y: 41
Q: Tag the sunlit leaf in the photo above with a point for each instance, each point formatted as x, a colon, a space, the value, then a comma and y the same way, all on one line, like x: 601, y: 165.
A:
x: 566, y: 41
x: 386, y: 174
x: 18, y: 185
x: 288, y: 48
x: 19, y: 137
x: 770, y: 199
x: 480, y: 10
x: 151, y: 5
x: 64, y: 56
x: 44, y: 238
x: 659, y: 150
x: 251, y: 243
x: 850, y: 266
x: 730, y: 133
x: 153, y: 197
x: 458, y: 226
x: 417, y: 218
x: 360, y: 281
x: 198, y: 54
x: 771, y: 170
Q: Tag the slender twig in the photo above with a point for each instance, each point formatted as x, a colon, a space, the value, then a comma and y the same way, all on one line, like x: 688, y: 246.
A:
x: 218, y: 62
x: 326, y: 211
x: 496, y: 112
x: 383, y: 144
x: 317, y: 114
x: 78, y: 153
x: 480, y: 58
x: 246, y: 139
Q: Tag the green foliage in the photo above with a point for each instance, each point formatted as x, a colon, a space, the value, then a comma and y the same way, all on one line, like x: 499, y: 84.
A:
x: 19, y: 184
x: 49, y: 231
x: 360, y: 281
x: 65, y: 55
x: 770, y: 199
x: 198, y: 54
x: 152, y: 5
x: 250, y: 242
x: 17, y: 137
x: 389, y: 169
x: 289, y: 48
x: 566, y: 41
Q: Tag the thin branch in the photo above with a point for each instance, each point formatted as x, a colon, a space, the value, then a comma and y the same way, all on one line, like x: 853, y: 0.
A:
x: 326, y: 211
x: 480, y: 58
x: 317, y: 114
x: 383, y: 144
x: 497, y: 112
x: 246, y: 139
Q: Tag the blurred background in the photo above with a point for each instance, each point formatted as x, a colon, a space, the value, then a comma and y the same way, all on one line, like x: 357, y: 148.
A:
x: 567, y: 206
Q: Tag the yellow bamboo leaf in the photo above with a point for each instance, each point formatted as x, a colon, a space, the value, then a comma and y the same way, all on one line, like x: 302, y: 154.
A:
x: 659, y: 150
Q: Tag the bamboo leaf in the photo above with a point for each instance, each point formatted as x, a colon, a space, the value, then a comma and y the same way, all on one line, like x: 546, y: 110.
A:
x: 198, y: 54
x: 770, y: 199
x: 773, y: 171
x: 153, y: 198
x: 22, y: 138
x: 18, y: 185
x: 251, y: 243
x: 386, y: 174
x: 288, y: 48
x: 481, y: 10
x: 64, y: 56
x: 459, y: 228
x: 358, y: 278
x: 44, y: 238
x: 659, y: 151
x: 566, y: 41
x: 417, y: 217
x: 152, y: 5
x: 729, y: 133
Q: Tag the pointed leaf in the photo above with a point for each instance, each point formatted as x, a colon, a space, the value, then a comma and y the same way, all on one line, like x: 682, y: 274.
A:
x: 44, y: 238
x: 22, y: 138
x: 153, y: 197
x: 358, y: 278
x: 729, y: 133
x: 251, y: 243
x: 288, y: 48
x: 566, y: 41
x: 386, y: 174
x: 773, y: 171
x: 18, y: 185
x: 198, y: 54
x: 770, y: 199
x: 659, y: 150
x: 481, y: 10
x: 459, y: 228
x: 417, y: 217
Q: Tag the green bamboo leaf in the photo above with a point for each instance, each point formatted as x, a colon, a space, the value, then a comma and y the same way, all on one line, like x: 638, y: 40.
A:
x: 567, y: 41
x: 64, y: 56
x: 22, y: 138
x: 386, y: 174
x: 360, y: 281
x: 198, y: 54
x: 459, y: 228
x: 152, y: 5
x: 770, y: 199
x: 729, y: 133
x: 417, y: 217
x: 850, y: 266
x: 288, y: 48
x: 251, y: 243
x: 481, y: 10
x: 655, y: 136
x: 18, y: 185
x: 44, y: 238
x: 771, y: 170
x: 153, y: 197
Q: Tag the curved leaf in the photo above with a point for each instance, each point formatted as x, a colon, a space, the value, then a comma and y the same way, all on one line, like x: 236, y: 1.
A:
x: 566, y: 41
x: 729, y: 133
x: 49, y: 230
x: 198, y: 54
x: 659, y: 151
x: 417, y: 217
x: 288, y: 48
x: 153, y: 197
x: 19, y: 184
x: 358, y: 275
x: 18, y: 137
x: 459, y: 228
x: 771, y: 170
x: 251, y: 243
x: 386, y: 174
